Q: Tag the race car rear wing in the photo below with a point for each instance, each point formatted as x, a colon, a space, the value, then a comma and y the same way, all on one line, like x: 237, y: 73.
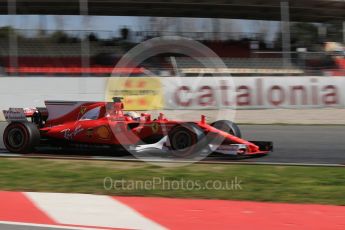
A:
x: 30, y: 112
x: 38, y: 115
x: 15, y: 114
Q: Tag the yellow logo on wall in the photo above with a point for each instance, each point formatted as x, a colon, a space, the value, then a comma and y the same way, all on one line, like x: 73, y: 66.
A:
x: 139, y: 93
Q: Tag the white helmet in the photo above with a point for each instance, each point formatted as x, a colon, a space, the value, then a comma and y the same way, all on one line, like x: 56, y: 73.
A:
x: 133, y: 115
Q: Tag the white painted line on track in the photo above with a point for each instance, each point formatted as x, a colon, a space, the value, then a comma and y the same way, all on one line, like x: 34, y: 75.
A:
x: 47, y: 226
x: 216, y: 162
x: 90, y: 210
x: 10, y: 155
x: 122, y: 159
x: 287, y: 164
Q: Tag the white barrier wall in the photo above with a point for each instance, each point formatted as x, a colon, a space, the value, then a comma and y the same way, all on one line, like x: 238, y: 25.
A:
x: 33, y: 91
x: 186, y: 93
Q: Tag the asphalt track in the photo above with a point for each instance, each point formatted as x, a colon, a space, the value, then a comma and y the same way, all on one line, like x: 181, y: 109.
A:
x: 293, y: 144
x: 300, y: 144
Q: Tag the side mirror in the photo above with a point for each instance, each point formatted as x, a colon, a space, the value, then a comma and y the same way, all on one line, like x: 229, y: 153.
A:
x: 117, y: 99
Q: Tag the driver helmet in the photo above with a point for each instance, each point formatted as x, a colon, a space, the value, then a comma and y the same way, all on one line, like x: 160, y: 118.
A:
x: 135, y: 116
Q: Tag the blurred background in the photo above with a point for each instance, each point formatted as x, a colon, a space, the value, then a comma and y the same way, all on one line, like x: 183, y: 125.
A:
x: 254, y: 38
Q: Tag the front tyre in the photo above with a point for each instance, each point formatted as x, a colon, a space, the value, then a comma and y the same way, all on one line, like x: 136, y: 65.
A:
x: 21, y: 137
x: 228, y: 127
x: 186, y: 140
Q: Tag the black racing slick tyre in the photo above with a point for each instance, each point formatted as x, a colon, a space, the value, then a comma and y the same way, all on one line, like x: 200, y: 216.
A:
x: 21, y: 137
x: 228, y: 127
x: 186, y: 140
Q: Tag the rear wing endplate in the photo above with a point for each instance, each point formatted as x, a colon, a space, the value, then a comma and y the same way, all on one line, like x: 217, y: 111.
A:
x: 15, y: 114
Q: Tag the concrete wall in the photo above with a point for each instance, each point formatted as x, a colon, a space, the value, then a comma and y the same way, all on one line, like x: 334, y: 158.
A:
x: 184, y: 93
x: 33, y: 91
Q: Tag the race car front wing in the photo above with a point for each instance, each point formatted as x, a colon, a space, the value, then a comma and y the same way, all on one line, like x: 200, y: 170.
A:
x: 227, y: 149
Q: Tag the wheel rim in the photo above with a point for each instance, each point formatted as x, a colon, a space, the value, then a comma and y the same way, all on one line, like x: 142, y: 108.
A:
x: 182, y: 140
x: 16, y: 138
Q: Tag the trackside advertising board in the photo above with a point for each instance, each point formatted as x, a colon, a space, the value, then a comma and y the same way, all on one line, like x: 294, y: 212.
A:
x: 254, y: 92
x: 139, y: 93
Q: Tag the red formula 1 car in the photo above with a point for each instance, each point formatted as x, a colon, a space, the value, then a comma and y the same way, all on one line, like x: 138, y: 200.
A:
x: 106, y: 124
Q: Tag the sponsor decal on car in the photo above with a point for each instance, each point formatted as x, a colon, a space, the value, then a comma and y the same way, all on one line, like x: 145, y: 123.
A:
x: 155, y: 127
x: 69, y: 134
x: 83, y: 109
x: 14, y: 114
x: 103, y: 133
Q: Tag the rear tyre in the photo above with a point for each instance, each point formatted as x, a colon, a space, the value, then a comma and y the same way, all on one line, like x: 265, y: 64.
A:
x: 186, y: 140
x: 228, y: 127
x: 21, y: 137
